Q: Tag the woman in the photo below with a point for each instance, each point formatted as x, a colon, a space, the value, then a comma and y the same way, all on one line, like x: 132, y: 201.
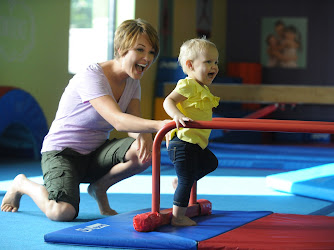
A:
x: 101, y: 98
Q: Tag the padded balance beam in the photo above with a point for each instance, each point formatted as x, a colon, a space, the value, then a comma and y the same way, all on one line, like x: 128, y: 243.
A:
x: 254, y: 93
x: 230, y: 124
x: 154, y: 219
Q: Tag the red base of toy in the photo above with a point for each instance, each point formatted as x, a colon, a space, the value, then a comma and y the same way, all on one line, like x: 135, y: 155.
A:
x: 149, y: 221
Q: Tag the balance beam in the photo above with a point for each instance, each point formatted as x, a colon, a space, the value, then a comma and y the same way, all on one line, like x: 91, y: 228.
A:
x: 254, y: 93
x: 242, y: 124
x: 149, y: 221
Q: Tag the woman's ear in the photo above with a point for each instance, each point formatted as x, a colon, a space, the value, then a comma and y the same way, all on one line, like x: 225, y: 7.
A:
x: 122, y: 53
x: 189, y: 64
x: 119, y: 53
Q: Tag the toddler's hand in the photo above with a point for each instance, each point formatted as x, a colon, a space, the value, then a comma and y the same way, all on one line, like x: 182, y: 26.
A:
x: 181, y: 120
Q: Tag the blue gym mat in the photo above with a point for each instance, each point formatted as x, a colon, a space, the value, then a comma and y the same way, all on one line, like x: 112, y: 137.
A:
x: 117, y: 231
x: 315, y: 182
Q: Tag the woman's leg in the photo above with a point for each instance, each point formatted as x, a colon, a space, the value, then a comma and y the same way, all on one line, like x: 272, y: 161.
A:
x: 127, y: 166
x: 58, y: 211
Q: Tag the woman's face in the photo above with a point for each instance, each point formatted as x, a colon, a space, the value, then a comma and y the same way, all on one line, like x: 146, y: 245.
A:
x: 139, y: 58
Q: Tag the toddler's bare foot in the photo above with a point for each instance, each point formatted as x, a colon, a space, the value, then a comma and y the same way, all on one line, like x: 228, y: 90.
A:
x: 182, y: 221
x: 11, y: 201
x: 175, y: 182
x: 101, y: 199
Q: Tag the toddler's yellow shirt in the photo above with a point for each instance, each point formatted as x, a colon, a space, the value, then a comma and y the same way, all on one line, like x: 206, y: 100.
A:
x: 198, y: 106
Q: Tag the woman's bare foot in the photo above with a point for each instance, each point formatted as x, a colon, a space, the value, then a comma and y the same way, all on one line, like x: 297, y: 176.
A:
x: 11, y: 201
x: 101, y: 199
x: 182, y: 221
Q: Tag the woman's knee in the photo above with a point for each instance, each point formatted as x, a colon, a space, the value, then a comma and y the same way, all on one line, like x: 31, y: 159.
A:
x: 60, y: 211
x: 133, y: 155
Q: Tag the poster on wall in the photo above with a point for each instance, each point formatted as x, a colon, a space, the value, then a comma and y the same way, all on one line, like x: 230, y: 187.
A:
x: 284, y: 42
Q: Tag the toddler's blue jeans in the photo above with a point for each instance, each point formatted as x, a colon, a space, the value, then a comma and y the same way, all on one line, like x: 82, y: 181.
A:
x: 191, y: 163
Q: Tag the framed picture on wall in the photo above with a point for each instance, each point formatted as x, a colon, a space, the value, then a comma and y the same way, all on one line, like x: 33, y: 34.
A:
x: 284, y: 42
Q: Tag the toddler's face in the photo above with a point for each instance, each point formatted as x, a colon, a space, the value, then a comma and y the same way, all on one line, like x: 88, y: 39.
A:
x: 205, y: 66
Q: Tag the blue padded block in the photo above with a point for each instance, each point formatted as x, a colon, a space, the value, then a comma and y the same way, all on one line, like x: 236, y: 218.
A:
x: 117, y: 231
x: 17, y: 107
x: 315, y: 182
x: 168, y: 71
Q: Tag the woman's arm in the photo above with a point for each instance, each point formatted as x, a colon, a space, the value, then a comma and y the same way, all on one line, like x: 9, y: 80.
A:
x: 111, y: 112
x: 134, y: 109
x: 144, y: 140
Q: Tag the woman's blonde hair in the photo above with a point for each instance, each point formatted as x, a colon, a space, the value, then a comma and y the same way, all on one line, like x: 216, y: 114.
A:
x: 191, y: 49
x: 129, y: 31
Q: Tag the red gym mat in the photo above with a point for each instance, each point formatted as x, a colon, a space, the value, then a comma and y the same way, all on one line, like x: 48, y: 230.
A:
x: 278, y: 231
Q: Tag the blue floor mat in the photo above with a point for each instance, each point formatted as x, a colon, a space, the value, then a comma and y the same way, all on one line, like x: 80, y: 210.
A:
x: 316, y: 182
x: 117, y: 231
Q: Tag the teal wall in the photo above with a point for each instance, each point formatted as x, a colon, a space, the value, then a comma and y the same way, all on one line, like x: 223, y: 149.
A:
x: 34, y: 49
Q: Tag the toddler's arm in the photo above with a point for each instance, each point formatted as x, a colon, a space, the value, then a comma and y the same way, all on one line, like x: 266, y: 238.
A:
x: 170, y: 107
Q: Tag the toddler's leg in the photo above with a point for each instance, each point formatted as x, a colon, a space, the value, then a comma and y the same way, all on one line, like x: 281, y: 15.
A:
x: 208, y: 162
x: 181, y: 154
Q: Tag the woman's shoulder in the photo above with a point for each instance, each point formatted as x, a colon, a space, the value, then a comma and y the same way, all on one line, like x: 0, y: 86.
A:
x: 95, y: 69
x: 90, y: 77
x: 92, y: 71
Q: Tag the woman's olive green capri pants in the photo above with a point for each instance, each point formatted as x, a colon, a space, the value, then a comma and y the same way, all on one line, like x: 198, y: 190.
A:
x: 64, y: 170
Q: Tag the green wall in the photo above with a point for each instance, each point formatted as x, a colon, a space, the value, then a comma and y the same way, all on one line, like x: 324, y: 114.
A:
x: 34, y: 49
x: 34, y: 45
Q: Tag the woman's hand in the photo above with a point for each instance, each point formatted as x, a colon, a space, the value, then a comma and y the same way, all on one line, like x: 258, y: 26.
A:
x: 144, y: 146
